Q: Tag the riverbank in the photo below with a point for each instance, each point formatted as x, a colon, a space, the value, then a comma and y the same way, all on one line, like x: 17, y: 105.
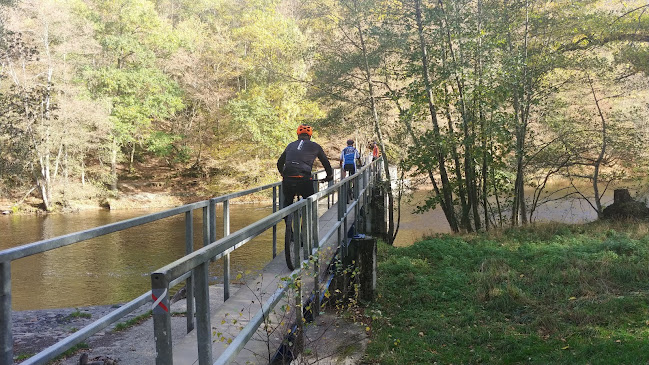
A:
x: 561, y: 294
x: 124, y: 342
x: 147, y: 185
x: 124, y: 200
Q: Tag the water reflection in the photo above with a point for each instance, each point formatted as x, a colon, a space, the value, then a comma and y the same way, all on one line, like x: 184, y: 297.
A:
x: 415, y: 226
x: 113, y: 268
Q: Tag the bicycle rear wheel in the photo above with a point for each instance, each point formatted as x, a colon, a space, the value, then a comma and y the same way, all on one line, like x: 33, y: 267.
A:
x: 289, y: 243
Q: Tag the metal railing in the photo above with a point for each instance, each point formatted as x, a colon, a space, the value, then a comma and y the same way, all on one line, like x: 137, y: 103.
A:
x: 209, y: 235
x: 191, y: 268
x: 197, y: 264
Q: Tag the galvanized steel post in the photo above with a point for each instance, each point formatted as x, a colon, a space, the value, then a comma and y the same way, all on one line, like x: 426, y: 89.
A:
x: 341, y: 214
x: 313, y: 203
x: 189, y: 285
x: 161, y: 319
x: 306, y: 231
x: 203, y: 325
x: 274, y: 226
x: 206, y: 226
x: 226, y: 258
x: 6, y: 338
x: 357, y: 207
x: 344, y: 223
x: 297, y: 235
x: 212, y: 217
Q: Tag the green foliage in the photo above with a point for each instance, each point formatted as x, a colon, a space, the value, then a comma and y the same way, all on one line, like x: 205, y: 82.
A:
x: 550, y: 294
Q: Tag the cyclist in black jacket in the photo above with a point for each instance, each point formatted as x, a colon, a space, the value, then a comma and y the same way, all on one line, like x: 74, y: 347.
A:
x: 295, y: 165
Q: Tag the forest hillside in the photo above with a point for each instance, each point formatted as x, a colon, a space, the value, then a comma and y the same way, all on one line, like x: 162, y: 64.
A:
x: 498, y: 106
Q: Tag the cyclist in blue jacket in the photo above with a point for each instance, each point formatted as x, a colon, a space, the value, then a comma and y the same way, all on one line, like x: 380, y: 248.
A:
x: 348, y: 157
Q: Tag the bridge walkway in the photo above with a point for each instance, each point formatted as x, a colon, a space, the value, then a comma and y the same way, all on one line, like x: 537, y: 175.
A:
x: 231, y: 316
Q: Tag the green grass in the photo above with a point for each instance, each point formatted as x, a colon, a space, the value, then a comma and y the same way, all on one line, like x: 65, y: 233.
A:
x: 121, y: 326
x: 78, y: 314
x: 549, y: 294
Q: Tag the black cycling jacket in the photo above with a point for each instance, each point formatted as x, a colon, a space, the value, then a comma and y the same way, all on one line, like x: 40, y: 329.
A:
x: 297, y: 159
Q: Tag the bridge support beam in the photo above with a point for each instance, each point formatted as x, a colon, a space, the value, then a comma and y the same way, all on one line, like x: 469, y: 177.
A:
x: 377, y: 212
x: 363, y: 252
x: 361, y: 259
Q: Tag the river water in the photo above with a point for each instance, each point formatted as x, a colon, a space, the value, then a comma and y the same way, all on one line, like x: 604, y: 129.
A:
x: 115, y: 268
x: 415, y: 226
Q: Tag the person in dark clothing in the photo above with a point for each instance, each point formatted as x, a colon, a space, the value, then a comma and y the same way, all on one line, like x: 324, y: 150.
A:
x: 295, y: 165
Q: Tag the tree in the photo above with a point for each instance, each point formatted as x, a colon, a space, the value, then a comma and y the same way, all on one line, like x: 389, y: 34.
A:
x: 351, y: 61
x: 47, y: 117
x: 133, y: 40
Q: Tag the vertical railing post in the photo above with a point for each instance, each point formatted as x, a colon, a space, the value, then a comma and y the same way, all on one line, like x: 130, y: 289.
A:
x: 344, y: 223
x: 341, y: 214
x: 226, y: 258
x: 316, y: 257
x: 330, y: 197
x: 306, y: 231
x: 203, y: 325
x: 212, y: 216
x: 297, y: 235
x: 357, y: 197
x: 161, y: 319
x: 356, y: 186
x: 206, y: 226
x: 6, y: 338
x: 275, y: 225
x: 189, y: 285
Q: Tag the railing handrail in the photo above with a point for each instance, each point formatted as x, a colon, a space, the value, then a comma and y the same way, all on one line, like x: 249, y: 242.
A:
x: 33, y: 248
x: 218, y: 248
x: 173, y: 272
x: 15, y: 253
x: 239, y: 342
x: 213, y: 251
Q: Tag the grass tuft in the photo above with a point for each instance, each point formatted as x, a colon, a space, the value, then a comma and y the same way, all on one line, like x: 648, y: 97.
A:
x: 121, y: 326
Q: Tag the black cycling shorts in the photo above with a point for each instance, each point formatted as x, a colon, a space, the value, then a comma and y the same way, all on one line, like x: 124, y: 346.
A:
x: 296, y: 187
x: 350, y: 168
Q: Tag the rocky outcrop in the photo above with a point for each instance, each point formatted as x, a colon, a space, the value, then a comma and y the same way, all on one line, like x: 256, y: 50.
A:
x: 624, y: 207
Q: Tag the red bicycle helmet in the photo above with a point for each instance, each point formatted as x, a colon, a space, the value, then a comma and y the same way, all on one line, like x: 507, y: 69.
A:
x: 304, y: 129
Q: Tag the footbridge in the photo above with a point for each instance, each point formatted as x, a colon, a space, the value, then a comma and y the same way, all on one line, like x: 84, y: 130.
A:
x: 262, y: 316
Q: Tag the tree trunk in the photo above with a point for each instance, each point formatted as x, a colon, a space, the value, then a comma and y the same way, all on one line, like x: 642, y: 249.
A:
x: 447, y: 193
x: 469, y: 170
x: 130, y: 161
x: 602, y: 152
x: 113, y: 166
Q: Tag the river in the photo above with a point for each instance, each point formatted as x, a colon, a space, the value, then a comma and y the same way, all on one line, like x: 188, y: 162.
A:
x: 415, y: 226
x: 115, y: 268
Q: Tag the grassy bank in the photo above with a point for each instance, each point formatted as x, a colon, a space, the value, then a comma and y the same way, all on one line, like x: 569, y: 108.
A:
x: 550, y: 294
